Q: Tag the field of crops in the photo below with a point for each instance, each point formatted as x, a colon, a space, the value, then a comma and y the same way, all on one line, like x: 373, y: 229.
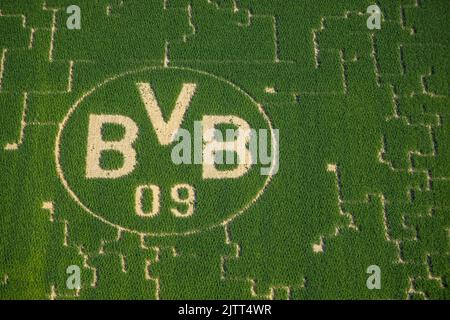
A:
x: 358, y: 117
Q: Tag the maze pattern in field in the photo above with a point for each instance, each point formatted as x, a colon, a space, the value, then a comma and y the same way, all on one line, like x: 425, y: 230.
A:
x: 364, y: 120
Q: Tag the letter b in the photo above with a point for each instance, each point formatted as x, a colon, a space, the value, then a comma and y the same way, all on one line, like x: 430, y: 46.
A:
x: 96, y: 144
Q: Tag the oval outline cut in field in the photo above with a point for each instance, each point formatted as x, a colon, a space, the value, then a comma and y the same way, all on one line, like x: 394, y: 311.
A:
x: 255, y: 195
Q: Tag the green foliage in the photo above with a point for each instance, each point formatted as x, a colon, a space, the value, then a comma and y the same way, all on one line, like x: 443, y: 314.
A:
x: 364, y: 151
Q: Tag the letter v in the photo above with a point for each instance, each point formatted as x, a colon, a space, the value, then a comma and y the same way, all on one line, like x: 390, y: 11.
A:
x: 166, y: 131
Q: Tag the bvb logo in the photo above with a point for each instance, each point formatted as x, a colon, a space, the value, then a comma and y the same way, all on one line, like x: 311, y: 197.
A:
x: 113, y: 151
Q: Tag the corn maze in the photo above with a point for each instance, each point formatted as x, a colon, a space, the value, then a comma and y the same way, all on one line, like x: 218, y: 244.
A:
x: 360, y: 119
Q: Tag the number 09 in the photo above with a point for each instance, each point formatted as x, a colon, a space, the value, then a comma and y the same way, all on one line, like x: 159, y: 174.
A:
x: 188, y: 200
